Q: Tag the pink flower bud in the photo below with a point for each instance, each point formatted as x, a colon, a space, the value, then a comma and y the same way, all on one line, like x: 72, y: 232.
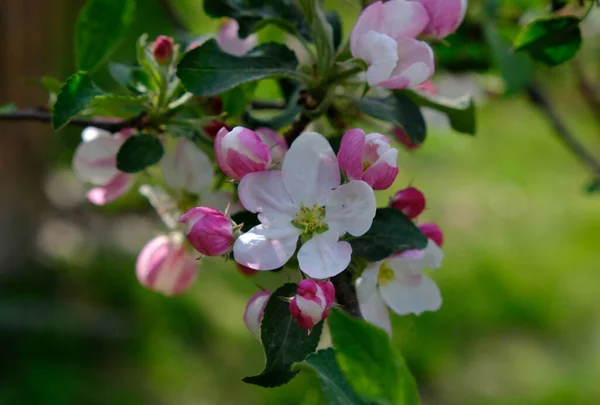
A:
x: 402, y: 137
x: 209, y: 231
x: 255, y: 310
x: 433, y: 232
x: 230, y: 42
x: 165, y: 266
x: 428, y: 87
x: 369, y: 158
x: 241, y: 151
x: 276, y: 143
x: 410, y: 201
x: 312, y: 302
x: 188, y: 168
x: 212, y: 128
x: 162, y: 48
x: 445, y: 16
x: 111, y: 190
x: 246, y: 271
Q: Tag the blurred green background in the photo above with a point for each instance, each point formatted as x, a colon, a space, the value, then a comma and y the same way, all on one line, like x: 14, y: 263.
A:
x: 520, y: 322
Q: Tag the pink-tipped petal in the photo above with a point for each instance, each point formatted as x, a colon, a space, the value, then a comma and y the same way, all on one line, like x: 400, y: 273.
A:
x: 110, y: 191
x: 433, y: 232
x: 276, y: 143
x: 351, y: 153
x: 209, y: 231
x: 371, y: 19
x: 402, y: 18
x: 230, y: 42
x: 415, y: 65
x: 241, y: 151
x: 255, y: 310
x: 381, y: 175
x: 445, y: 16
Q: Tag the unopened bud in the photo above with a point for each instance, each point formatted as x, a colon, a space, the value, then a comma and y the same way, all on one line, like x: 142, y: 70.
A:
x: 312, y: 302
x: 255, y: 310
x: 276, y: 143
x: 410, y: 201
x: 402, y: 137
x: 188, y: 168
x: 164, y: 265
x: 433, y: 232
x: 209, y: 231
x: 162, y: 48
x: 241, y: 151
x: 445, y: 16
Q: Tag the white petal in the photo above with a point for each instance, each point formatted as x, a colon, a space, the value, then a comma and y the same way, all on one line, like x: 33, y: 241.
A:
x: 381, y: 54
x: 432, y: 256
x: 264, y: 248
x: 351, y: 208
x: 323, y: 256
x: 372, y: 306
x: 412, y: 299
x: 188, y: 168
x: 265, y: 194
x: 310, y: 169
x: 91, y: 133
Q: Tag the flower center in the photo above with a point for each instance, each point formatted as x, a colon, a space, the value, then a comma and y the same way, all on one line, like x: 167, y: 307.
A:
x: 386, y: 275
x: 310, y: 220
x: 366, y: 165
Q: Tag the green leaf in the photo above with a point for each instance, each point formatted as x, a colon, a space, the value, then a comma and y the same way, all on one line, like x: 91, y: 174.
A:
x: 336, y: 25
x: 401, y: 111
x: 117, y: 105
x: 391, y: 231
x: 100, y: 26
x: 374, y: 368
x: 334, y: 385
x: 460, y: 112
x: 593, y: 187
x: 284, y: 341
x: 208, y: 71
x: 550, y: 40
x: 517, y: 70
x: 322, y: 34
x: 237, y: 99
x: 252, y: 15
x: 139, y: 152
x: 8, y: 108
x: 78, y: 91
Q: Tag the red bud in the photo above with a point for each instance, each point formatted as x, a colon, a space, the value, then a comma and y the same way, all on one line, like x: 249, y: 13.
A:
x: 410, y: 201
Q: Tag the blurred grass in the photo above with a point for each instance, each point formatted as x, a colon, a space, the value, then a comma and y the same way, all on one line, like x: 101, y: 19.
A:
x: 520, y: 322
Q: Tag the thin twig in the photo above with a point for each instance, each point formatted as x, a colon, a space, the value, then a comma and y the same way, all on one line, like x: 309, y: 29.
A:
x: 38, y: 115
x: 539, y: 99
x: 266, y: 105
x: 588, y: 91
x: 345, y: 293
x: 297, y: 128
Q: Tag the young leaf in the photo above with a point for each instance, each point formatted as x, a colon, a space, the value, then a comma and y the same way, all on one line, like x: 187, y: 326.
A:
x: 391, y: 231
x: 401, y: 111
x: 139, y: 152
x: 460, y: 112
x: 253, y: 15
x: 100, y: 26
x: 551, y: 40
x: 334, y: 385
x: 208, y: 71
x: 284, y: 341
x: 237, y: 99
x: 336, y: 25
x: 374, y: 368
x: 117, y: 105
x: 8, y: 108
x: 78, y: 91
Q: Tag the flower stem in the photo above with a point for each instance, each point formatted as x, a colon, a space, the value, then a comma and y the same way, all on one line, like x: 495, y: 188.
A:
x: 345, y: 293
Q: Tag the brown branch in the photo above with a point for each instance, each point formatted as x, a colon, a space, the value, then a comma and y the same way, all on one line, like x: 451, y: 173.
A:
x: 588, y: 90
x: 345, y: 293
x: 38, y: 115
x: 297, y: 128
x: 539, y: 99
x: 266, y: 105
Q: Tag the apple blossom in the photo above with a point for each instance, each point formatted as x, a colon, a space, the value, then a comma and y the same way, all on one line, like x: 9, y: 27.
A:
x: 188, y: 168
x: 209, y: 231
x: 304, y: 200
x: 384, y: 37
x: 230, y: 42
x: 399, y: 283
x: 276, y: 143
x: 312, y: 302
x: 162, y: 49
x: 164, y: 265
x: 410, y: 201
x: 369, y: 158
x: 255, y: 310
x: 95, y: 161
x: 241, y: 151
x: 445, y: 16
x: 433, y: 232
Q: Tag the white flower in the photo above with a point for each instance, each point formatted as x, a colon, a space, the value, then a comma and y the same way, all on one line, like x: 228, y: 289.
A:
x: 304, y: 200
x: 399, y: 283
x: 187, y: 168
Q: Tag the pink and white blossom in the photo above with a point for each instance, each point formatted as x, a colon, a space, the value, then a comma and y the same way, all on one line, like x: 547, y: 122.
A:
x: 95, y: 161
x: 164, y: 265
x: 276, y: 143
x: 370, y: 158
x: 433, y: 232
x: 209, y: 231
x: 187, y: 168
x: 230, y: 42
x: 399, y: 283
x: 445, y: 16
x: 410, y: 201
x: 312, y: 302
x: 384, y: 37
x: 255, y: 310
x: 241, y: 151
x: 305, y: 199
